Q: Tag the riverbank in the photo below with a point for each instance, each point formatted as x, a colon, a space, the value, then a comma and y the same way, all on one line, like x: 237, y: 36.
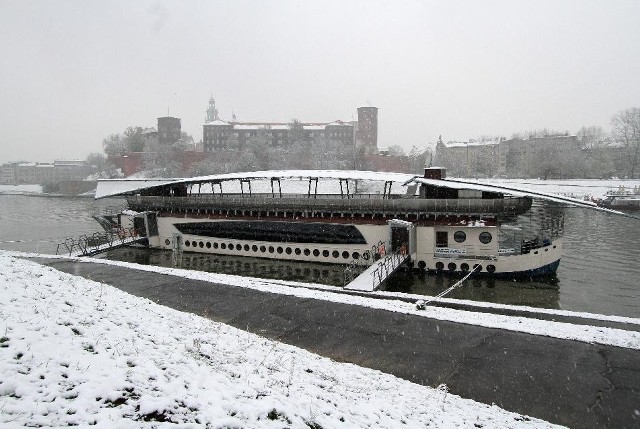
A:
x: 79, y: 352
x: 573, y: 382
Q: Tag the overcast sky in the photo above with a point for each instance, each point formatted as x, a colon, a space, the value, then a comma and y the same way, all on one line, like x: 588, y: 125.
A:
x: 72, y: 72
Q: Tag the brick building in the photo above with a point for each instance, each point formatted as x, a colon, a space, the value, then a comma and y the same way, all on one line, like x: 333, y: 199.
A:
x: 219, y: 134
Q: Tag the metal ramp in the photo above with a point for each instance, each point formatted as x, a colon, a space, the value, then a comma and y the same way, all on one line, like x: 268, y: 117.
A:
x: 377, y: 273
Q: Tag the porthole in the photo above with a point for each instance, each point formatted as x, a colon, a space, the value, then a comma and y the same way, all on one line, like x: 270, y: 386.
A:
x: 230, y: 246
x: 325, y: 253
x: 345, y: 254
x: 306, y: 252
x: 167, y: 242
x: 452, y: 266
x: 208, y: 245
x: 288, y: 250
x: 223, y: 246
x: 279, y: 249
x: 271, y: 250
x: 459, y: 236
x: 263, y: 249
x: 238, y: 246
x: 187, y: 243
x: 201, y: 244
x: 246, y: 247
x: 254, y: 248
x: 464, y: 267
x: 485, y: 237
x: 422, y: 265
x: 491, y: 268
x: 439, y: 266
x: 316, y: 252
x: 335, y: 254
x: 356, y: 255
x: 297, y: 251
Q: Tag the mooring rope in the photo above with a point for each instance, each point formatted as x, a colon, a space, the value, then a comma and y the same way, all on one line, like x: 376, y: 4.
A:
x: 422, y: 303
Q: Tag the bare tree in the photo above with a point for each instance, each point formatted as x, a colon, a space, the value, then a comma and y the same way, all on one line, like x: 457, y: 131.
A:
x: 626, y: 132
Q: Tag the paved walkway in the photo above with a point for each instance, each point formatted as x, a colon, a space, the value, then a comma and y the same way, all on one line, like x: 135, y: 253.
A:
x: 561, y: 381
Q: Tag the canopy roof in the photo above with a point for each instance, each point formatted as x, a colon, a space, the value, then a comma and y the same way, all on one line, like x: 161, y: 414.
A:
x: 116, y: 187
x: 120, y: 187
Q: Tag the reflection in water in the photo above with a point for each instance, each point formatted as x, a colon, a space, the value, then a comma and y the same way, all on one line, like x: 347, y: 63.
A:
x: 543, y: 293
x: 310, y: 272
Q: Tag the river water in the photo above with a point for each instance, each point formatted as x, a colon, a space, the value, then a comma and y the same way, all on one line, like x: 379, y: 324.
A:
x: 599, y: 272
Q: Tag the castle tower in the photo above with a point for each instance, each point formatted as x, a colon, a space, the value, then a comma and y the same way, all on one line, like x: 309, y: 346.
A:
x: 212, y: 112
x: 367, y: 134
x: 169, y: 130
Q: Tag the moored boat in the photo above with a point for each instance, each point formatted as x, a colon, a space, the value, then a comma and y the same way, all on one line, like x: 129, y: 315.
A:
x: 622, y: 198
x: 341, y: 217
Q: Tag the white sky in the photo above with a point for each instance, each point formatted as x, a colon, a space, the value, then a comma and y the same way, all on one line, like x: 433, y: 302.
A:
x: 72, y: 72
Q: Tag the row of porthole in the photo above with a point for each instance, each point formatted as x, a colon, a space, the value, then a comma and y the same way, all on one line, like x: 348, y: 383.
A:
x: 270, y: 249
x: 484, y: 237
x: 464, y: 267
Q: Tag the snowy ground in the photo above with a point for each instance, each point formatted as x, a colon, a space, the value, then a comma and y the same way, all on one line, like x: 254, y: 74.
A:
x: 77, y: 352
x: 20, y: 189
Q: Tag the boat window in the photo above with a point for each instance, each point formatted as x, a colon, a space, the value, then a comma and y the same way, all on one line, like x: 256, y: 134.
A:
x: 254, y: 248
x: 201, y: 244
x: 208, y: 245
x: 238, y: 247
x: 187, y: 243
x: 223, y: 246
x: 316, y: 252
x: 279, y: 249
x: 442, y: 239
x: 459, y: 236
x: 263, y: 249
x: 356, y: 255
x: 485, y: 237
x: 298, y: 251
x: 306, y: 252
x: 246, y: 247
x: 270, y: 249
x: 345, y: 254
x: 325, y: 253
x: 288, y: 250
x: 335, y: 254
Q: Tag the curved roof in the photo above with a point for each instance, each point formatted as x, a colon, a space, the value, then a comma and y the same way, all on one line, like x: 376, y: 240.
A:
x: 116, y: 187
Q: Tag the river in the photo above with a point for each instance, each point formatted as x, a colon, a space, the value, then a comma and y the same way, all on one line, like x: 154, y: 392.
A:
x: 599, y: 272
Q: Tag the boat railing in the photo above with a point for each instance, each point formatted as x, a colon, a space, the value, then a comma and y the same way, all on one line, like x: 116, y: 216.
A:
x: 390, y: 263
x: 300, y: 202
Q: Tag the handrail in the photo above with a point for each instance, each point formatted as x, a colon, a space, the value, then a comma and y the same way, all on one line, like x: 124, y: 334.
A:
x: 87, y: 245
x: 387, y: 267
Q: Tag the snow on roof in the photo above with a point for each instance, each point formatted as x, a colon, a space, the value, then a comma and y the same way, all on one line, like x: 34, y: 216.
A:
x: 244, y: 126
x: 113, y: 187
x: 470, y: 144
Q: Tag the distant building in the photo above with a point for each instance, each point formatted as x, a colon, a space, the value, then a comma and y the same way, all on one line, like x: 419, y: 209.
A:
x: 8, y: 174
x: 514, y: 157
x: 367, y: 129
x: 169, y: 130
x: 18, y: 173
x: 219, y: 134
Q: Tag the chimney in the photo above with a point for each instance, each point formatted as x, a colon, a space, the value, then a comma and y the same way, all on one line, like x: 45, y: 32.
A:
x: 437, y: 173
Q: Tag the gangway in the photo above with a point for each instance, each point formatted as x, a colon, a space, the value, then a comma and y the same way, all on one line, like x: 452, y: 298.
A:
x: 378, y: 272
